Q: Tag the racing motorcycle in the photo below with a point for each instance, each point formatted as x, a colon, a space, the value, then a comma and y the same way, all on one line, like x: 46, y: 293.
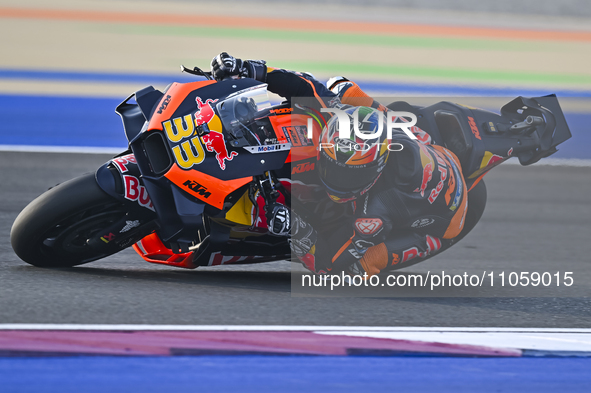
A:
x: 206, y: 158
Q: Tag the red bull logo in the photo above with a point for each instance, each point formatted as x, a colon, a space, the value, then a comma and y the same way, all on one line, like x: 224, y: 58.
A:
x: 189, y: 149
x: 427, y: 176
x: 215, y: 142
x: 204, y: 111
x: 490, y: 159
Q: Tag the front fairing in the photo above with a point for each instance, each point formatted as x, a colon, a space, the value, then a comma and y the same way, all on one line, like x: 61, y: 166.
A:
x: 189, y: 130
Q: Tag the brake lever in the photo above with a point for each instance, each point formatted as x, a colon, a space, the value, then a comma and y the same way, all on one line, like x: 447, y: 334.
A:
x: 197, y: 71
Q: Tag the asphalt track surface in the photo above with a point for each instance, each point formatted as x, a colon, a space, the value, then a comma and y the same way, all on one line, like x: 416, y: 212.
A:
x: 536, y: 220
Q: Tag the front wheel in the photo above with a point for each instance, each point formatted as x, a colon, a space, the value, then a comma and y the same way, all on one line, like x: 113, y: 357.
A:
x: 54, y: 230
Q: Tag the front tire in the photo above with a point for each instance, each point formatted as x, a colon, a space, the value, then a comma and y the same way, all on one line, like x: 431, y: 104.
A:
x: 52, y: 231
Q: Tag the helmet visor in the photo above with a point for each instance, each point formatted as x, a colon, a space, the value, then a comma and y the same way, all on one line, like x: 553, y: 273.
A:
x: 347, y: 179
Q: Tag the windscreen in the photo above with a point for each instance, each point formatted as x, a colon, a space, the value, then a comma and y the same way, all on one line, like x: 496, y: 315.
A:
x: 239, y: 112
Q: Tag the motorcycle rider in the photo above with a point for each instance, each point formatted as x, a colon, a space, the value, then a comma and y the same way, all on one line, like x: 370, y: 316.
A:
x: 408, y: 204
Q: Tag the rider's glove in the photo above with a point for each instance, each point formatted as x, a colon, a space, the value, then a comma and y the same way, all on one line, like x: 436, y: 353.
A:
x: 225, y: 66
x: 303, y: 244
x: 278, y: 220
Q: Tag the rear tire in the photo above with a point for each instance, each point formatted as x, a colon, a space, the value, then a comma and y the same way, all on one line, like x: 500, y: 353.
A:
x: 52, y: 231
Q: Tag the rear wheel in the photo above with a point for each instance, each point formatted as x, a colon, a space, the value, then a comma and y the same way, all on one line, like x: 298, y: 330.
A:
x: 53, y: 230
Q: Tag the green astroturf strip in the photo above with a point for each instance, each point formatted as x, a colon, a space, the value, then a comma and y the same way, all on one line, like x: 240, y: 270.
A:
x: 433, y: 72
x: 341, y: 41
x: 334, y: 38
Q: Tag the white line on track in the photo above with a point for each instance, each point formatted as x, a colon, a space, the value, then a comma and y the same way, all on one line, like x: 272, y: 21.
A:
x: 45, y: 326
x: 63, y: 149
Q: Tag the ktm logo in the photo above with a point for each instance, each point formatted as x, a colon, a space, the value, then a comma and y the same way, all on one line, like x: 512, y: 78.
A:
x: 304, y: 167
x: 164, y: 104
x: 474, y: 128
x: 198, y: 188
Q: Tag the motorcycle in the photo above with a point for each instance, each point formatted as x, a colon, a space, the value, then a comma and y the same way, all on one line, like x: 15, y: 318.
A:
x: 206, y: 158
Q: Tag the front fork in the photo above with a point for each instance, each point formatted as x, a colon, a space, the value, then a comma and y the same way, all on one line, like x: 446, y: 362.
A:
x: 269, y: 188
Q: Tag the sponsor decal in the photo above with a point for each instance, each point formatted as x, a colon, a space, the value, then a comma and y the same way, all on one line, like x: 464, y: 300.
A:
x: 423, y: 222
x: 363, y: 244
x: 183, y: 128
x: 442, y: 168
x: 451, y: 186
x: 303, y: 167
x: 198, y: 188
x: 122, y: 162
x: 134, y: 191
x: 368, y: 226
x: 433, y: 245
x: 205, y: 111
x: 360, y: 247
x: 459, y: 189
x: 215, y: 143
x: 474, y: 128
x: 409, y: 254
x: 428, y: 165
x: 281, y: 111
x: 427, y: 176
x: 421, y: 135
x: 218, y: 259
x: 164, y: 104
x: 395, y: 258
x: 268, y: 148
x: 490, y: 159
x: 355, y: 253
x: 298, y: 135
x: 126, y: 242
x: 190, y: 152
x: 340, y: 200
x: 510, y: 152
x: 366, y: 189
x: 108, y: 238
x: 130, y: 225
x: 346, y: 144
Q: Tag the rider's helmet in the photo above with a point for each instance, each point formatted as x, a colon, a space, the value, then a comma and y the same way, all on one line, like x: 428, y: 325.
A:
x: 349, y: 165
